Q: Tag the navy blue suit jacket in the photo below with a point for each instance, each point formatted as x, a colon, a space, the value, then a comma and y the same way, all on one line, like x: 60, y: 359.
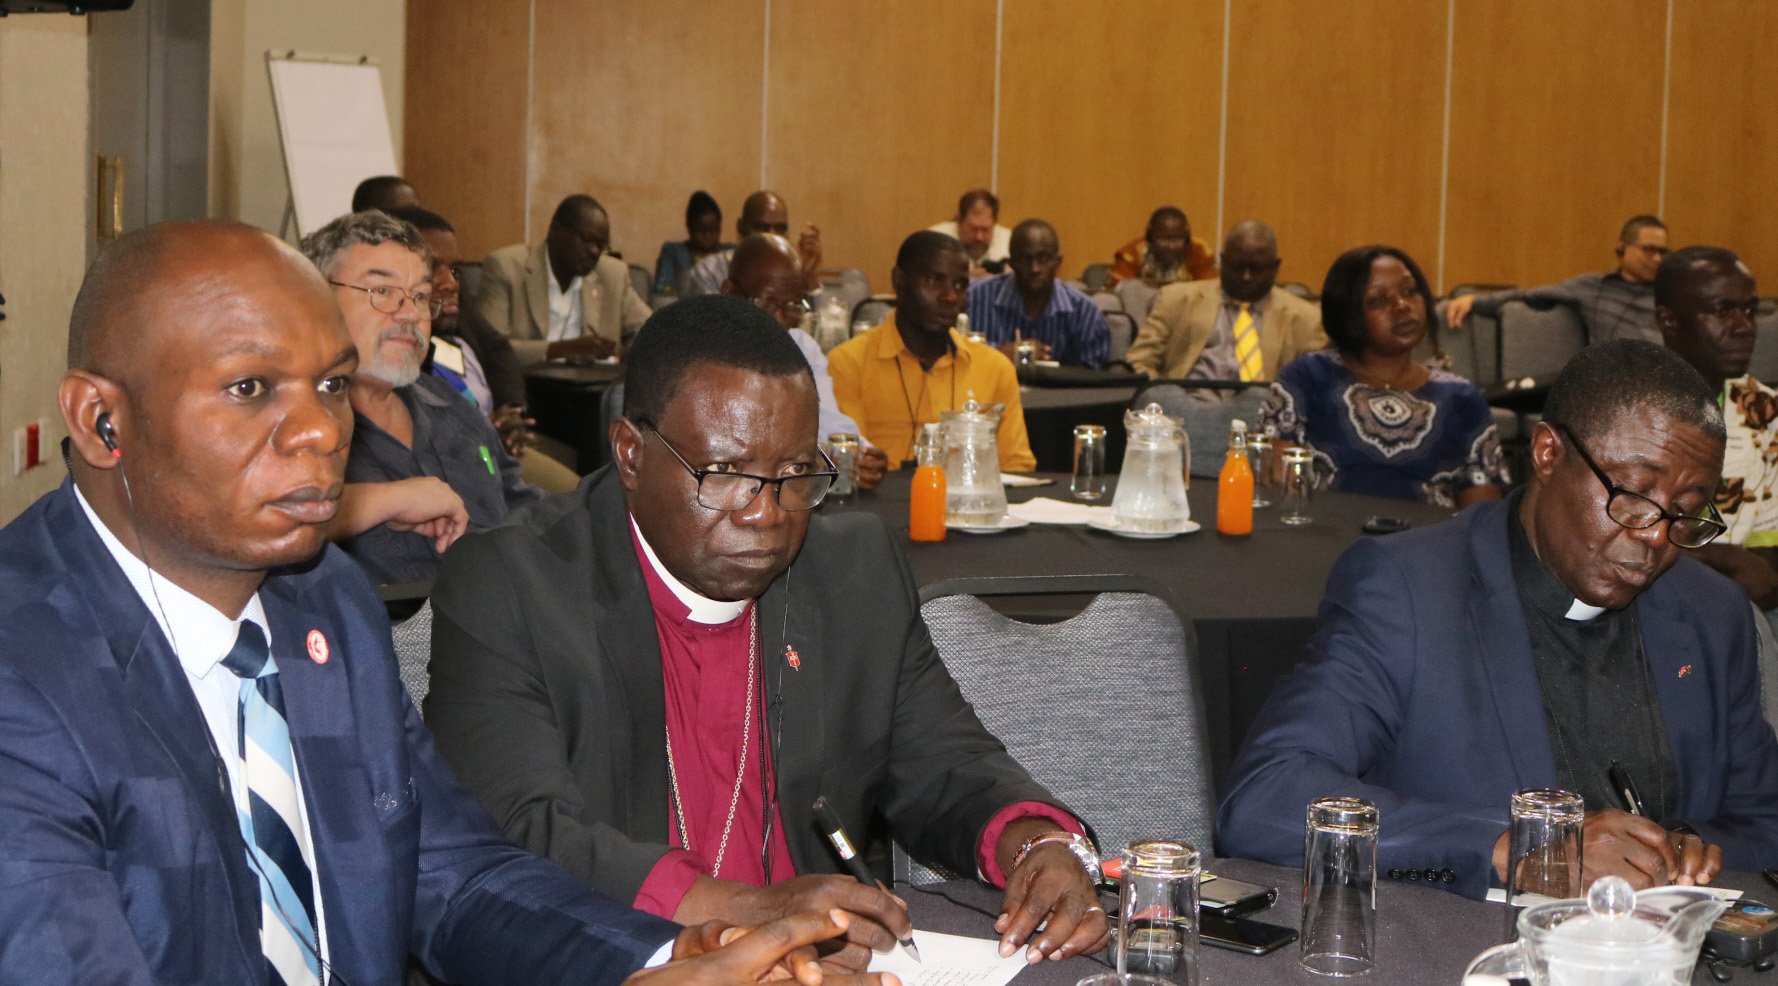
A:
x: 121, y: 861
x: 1420, y: 694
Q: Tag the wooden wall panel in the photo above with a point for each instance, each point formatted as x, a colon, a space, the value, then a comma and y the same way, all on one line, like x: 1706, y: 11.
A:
x: 880, y: 116
x: 1722, y: 143
x: 465, y: 117
x: 1555, y: 135
x: 1335, y: 110
x: 640, y: 103
x: 1105, y: 116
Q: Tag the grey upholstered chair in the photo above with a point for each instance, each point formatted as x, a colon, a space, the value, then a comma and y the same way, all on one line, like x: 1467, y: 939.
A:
x: 1768, y: 663
x: 1537, y: 343
x: 1764, y: 365
x: 1206, y: 422
x: 1107, y: 301
x: 1123, y: 332
x: 1103, y: 708
x: 642, y: 281
x: 1138, y: 297
x: 413, y: 651
x: 873, y: 309
x: 1095, y: 277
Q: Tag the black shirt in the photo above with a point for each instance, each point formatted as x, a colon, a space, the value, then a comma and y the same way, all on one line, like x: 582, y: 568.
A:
x: 1598, y: 698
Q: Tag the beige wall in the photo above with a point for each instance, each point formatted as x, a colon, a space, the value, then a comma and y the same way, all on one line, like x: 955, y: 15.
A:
x: 1497, y: 140
x: 43, y: 217
x: 246, y: 163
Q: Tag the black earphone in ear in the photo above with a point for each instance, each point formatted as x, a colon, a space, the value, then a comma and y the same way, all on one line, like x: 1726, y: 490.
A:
x: 107, y: 433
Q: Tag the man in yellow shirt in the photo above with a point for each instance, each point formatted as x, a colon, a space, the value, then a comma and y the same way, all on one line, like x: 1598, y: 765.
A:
x: 904, y: 373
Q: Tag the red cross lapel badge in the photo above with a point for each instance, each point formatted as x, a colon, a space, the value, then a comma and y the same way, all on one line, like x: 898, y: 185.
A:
x: 1685, y: 670
x: 791, y: 658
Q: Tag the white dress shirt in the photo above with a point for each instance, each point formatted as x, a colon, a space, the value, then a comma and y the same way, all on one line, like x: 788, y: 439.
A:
x: 832, y: 421
x: 565, y: 319
x: 201, y: 636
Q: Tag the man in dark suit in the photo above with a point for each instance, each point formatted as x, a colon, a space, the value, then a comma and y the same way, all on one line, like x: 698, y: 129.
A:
x: 652, y: 678
x: 1531, y: 643
x: 281, y: 818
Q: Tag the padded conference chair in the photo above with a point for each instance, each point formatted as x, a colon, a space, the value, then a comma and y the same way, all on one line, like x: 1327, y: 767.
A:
x: 413, y: 651
x: 1206, y: 422
x: 1123, y: 332
x: 873, y: 309
x: 1538, y: 343
x: 469, y: 281
x: 1137, y: 297
x: 642, y: 281
x: 1764, y: 365
x: 1107, y: 301
x: 1103, y: 708
x: 1768, y: 663
x: 1299, y: 289
x: 1095, y: 277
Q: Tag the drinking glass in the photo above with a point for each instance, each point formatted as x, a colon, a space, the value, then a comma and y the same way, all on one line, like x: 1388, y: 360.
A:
x: 1260, y: 451
x: 1089, y: 462
x: 1544, y: 850
x: 1157, y: 914
x: 1299, y: 486
x: 1339, y: 933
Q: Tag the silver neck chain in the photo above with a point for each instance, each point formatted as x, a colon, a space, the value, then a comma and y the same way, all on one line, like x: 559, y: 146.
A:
x: 734, y: 800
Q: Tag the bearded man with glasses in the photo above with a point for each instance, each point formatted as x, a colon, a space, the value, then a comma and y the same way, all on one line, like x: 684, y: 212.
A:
x: 1546, y: 640
x: 652, y: 678
x: 415, y: 440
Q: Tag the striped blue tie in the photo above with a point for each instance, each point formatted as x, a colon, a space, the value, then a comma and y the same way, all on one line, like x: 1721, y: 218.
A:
x: 277, y: 843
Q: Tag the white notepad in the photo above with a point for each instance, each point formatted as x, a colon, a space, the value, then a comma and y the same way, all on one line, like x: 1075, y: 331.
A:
x: 951, y: 960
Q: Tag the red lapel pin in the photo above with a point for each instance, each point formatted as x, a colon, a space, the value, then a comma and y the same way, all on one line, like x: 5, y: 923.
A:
x: 791, y: 658
x: 318, y: 651
x: 1685, y: 670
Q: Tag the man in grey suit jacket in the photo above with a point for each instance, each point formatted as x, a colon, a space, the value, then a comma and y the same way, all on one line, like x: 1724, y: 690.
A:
x: 623, y: 665
x: 564, y: 298
x: 1189, y: 332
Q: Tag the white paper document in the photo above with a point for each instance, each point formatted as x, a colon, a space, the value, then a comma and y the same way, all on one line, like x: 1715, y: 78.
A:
x: 1498, y: 896
x: 951, y: 960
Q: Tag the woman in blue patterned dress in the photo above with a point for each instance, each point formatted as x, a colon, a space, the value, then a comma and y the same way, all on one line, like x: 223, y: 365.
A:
x: 1378, y: 420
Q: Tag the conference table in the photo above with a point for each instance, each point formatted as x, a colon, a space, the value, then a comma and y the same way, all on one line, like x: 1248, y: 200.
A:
x: 564, y: 399
x: 1252, y: 599
x: 1425, y: 936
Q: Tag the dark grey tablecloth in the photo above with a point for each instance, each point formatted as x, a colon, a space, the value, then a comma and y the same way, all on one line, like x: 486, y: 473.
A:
x: 1252, y: 599
x: 1425, y: 937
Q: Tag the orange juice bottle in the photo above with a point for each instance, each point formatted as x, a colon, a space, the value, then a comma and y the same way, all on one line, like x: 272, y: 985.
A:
x: 1234, y: 487
x: 926, y: 506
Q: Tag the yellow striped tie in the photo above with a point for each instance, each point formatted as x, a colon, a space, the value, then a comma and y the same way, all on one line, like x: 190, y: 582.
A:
x: 1247, y: 344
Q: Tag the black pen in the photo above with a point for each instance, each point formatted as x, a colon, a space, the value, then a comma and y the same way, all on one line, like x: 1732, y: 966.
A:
x: 836, y: 834
x: 1626, y: 789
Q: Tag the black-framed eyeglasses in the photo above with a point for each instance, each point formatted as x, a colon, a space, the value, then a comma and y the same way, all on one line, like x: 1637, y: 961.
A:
x: 1638, y: 512
x: 728, y: 491
x: 798, y: 309
x: 387, y: 298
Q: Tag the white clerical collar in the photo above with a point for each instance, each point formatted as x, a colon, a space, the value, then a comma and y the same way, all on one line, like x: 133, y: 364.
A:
x: 704, y: 610
x: 1582, y: 613
x: 205, y: 635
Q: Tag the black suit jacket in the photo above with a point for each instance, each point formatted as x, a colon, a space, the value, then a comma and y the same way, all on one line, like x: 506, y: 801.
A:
x: 547, y: 697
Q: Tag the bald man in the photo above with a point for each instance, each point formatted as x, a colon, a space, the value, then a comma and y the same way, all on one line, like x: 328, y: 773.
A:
x: 765, y: 271
x: 209, y: 772
x: 763, y: 212
x: 1196, y: 329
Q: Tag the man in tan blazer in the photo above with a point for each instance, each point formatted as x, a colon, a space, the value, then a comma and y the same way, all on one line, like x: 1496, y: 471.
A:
x: 1198, y: 329
x: 563, y: 298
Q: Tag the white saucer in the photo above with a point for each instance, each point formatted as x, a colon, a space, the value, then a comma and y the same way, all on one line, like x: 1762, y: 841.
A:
x: 1111, y: 526
x: 1007, y: 523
